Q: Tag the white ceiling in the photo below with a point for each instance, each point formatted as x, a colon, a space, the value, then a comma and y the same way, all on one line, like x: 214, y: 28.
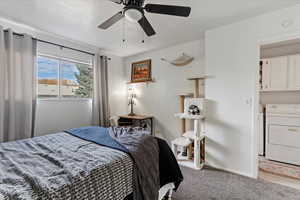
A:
x: 78, y: 20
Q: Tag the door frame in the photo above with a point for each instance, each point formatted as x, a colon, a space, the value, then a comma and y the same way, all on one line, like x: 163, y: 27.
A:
x: 256, y: 97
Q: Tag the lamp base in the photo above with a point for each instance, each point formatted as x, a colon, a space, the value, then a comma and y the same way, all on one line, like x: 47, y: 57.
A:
x: 131, y: 114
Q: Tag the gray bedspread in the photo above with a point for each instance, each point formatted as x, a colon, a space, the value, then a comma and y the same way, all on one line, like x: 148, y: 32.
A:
x: 61, y: 166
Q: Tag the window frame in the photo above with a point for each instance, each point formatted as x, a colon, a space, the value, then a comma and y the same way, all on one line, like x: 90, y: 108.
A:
x: 59, y: 96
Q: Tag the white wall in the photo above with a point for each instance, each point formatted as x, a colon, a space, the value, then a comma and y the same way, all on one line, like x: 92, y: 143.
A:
x: 117, y: 86
x: 232, y: 57
x: 160, y: 98
x: 54, y: 116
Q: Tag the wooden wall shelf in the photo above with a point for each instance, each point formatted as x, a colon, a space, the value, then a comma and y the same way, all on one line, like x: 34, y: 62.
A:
x: 149, y: 81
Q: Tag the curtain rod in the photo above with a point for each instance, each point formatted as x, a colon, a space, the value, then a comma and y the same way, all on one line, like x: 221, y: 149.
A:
x: 62, y: 46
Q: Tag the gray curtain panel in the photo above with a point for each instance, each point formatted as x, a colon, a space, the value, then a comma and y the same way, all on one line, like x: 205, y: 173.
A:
x: 17, y: 86
x: 100, y: 98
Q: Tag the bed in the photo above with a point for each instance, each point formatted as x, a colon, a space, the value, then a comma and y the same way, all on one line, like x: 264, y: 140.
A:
x: 66, y: 166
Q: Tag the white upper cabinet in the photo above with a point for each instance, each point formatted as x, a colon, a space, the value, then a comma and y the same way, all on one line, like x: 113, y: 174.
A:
x: 275, y: 74
x: 294, y: 72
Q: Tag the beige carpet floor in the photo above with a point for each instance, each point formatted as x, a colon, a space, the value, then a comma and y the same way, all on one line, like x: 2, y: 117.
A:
x: 212, y: 184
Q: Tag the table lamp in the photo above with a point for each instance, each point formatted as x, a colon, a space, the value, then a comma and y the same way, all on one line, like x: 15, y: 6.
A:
x: 131, y: 97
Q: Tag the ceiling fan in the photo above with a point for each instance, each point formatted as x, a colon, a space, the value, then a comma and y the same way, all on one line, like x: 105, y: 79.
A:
x: 134, y: 11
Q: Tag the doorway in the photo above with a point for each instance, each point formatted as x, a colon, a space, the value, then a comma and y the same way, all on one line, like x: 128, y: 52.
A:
x: 278, y: 120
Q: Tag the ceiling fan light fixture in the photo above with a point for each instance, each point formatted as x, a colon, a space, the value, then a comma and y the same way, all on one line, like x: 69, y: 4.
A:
x: 133, y: 15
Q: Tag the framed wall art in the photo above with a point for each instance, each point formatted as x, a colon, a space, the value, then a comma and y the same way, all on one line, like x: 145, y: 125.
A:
x: 141, y: 71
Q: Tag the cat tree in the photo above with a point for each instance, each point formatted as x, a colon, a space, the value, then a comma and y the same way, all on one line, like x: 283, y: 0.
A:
x: 189, y: 149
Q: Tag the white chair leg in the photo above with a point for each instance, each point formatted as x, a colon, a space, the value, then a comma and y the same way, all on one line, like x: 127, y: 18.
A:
x: 170, y: 195
x: 174, y: 148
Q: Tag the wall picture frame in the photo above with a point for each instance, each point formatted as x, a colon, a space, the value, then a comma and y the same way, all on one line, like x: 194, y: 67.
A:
x: 141, y: 71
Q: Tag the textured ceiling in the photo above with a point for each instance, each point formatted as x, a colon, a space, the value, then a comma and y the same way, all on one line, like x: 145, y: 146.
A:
x: 78, y: 20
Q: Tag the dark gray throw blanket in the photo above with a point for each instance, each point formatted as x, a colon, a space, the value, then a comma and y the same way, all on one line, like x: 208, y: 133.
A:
x: 145, y: 152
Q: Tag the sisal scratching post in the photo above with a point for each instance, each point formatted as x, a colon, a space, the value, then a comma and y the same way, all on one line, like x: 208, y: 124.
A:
x: 182, y: 98
x: 199, y: 92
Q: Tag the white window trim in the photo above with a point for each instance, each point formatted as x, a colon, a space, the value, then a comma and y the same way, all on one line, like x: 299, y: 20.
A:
x: 64, y: 59
x: 64, y: 99
x: 59, y: 97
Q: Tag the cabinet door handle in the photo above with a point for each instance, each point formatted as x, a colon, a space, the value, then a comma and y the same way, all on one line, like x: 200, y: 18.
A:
x: 292, y: 130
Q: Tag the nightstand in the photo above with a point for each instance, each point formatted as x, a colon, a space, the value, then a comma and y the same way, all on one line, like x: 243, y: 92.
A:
x: 128, y: 120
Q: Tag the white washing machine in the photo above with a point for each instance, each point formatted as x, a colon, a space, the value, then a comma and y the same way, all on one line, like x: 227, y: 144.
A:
x: 283, y: 133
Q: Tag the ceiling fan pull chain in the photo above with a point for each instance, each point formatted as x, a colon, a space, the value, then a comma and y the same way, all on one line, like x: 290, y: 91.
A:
x: 143, y: 35
x: 143, y: 41
x: 123, y: 31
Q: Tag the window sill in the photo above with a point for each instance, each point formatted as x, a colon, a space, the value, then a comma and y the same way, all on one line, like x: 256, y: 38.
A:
x: 62, y: 99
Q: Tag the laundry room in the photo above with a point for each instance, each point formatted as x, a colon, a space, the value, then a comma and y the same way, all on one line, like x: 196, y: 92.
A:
x: 279, y: 113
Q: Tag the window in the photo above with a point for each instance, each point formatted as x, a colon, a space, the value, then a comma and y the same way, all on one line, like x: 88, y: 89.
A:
x: 48, y: 77
x: 60, y: 78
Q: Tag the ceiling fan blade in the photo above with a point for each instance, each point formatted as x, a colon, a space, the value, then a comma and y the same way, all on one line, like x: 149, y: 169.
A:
x: 111, y: 21
x: 117, y: 1
x: 147, y: 27
x: 168, y: 10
